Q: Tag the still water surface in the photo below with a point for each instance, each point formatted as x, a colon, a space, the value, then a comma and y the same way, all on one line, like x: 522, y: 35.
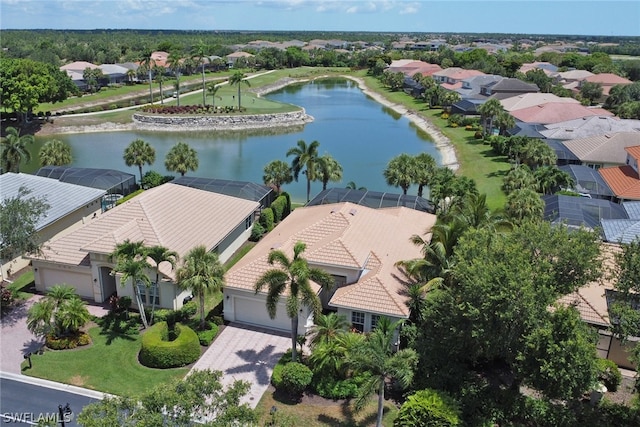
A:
x: 360, y: 133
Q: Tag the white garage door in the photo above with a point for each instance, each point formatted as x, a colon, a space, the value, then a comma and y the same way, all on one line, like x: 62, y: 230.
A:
x: 254, y: 312
x: 80, y: 281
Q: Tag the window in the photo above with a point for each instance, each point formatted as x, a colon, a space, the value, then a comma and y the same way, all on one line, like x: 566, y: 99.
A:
x: 357, y: 320
x: 148, y: 295
x: 247, y: 223
x: 375, y: 318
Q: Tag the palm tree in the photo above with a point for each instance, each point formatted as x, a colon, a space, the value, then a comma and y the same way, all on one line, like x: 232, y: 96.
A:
x: 138, y: 153
x: 148, y: 63
x: 160, y: 254
x: 488, y: 111
x: 524, y: 205
x: 425, y: 167
x: 505, y: 121
x: 181, y: 158
x: 201, y: 58
x: 518, y: 178
x: 305, y: 156
x: 401, y: 172
x: 14, y: 150
x: 329, y: 170
x: 377, y: 357
x: 327, y: 328
x: 212, y: 89
x: 72, y: 315
x: 60, y: 313
x: 351, y: 185
x: 202, y: 273
x: 130, y: 260
x: 550, y: 179
x: 55, y: 153
x: 174, y: 62
x: 237, y: 79
x: 538, y: 153
x: 160, y: 79
x: 131, y: 74
x: 277, y: 173
x: 293, y: 278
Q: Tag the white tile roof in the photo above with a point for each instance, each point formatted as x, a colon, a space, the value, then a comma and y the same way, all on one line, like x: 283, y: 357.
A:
x: 345, y: 235
x: 62, y: 198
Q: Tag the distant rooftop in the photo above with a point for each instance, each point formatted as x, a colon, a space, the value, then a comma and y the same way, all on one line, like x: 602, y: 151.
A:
x: 372, y: 199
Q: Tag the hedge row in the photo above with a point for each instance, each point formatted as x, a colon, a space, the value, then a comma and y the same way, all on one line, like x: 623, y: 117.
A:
x: 158, y: 352
x: 187, y: 311
x: 280, y: 208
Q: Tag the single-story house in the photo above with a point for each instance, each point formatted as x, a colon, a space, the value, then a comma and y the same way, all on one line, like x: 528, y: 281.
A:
x: 553, y: 112
x: 359, y: 246
x: 606, y: 80
x: 588, y: 182
x: 507, y: 88
x: 527, y: 100
x: 603, y: 150
x: 111, y: 180
x: 623, y: 230
x: 243, y: 189
x: 624, y: 180
x: 580, y: 211
x: 585, y: 127
x: 232, y: 58
x: 69, y: 207
x: 170, y: 215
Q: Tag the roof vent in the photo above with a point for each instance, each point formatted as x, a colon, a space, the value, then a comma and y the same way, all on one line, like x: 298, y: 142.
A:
x: 352, y: 212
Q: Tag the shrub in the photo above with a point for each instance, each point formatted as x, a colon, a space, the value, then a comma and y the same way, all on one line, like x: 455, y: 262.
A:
x: 428, y: 408
x: 153, y: 179
x: 266, y: 219
x: 166, y: 315
x: 331, y: 388
x: 257, y: 231
x: 609, y: 374
x: 477, y: 135
x: 129, y: 196
x: 276, y: 375
x: 158, y: 352
x: 207, y: 335
x: 278, y: 206
x: 188, y: 310
x: 287, y: 208
x: 67, y: 342
x: 7, y: 296
x: 296, y: 377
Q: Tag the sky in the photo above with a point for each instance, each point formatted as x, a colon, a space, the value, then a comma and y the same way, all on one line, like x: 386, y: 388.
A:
x: 577, y: 17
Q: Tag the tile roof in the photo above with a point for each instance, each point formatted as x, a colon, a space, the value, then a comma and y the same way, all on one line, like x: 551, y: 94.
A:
x: 553, y: 112
x: 607, y: 148
x: 514, y: 85
x: 79, y: 66
x: 620, y: 230
x: 62, y: 198
x: 632, y: 209
x: 345, y: 235
x: 590, y: 126
x: 575, y: 75
x: 608, y: 79
x: 623, y: 181
x: 170, y: 215
x: 634, y: 151
x: 530, y: 99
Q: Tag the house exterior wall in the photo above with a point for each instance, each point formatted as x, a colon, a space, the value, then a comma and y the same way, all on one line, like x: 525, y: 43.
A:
x: 170, y: 295
x: 235, y: 239
x: 48, y: 274
x: 54, y: 230
x: 367, y: 317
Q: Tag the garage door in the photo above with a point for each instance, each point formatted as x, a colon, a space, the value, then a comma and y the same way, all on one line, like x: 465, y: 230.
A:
x: 254, y: 312
x: 80, y: 281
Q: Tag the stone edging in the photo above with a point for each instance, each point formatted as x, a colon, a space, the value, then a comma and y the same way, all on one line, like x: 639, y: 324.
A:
x: 220, y: 122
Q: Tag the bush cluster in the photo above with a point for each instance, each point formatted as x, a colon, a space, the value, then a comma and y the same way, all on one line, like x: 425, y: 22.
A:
x: 429, y: 408
x: 281, y: 208
x: 67, y: 342
x: 187, y: 311
x: 332, y: 388
x: 294, y: 378
x: 6, y: 297
x: 267, y: 219
x: 159, y: 352
x: 188, y: 109
x: 609, y: 374
x: 207, y: 335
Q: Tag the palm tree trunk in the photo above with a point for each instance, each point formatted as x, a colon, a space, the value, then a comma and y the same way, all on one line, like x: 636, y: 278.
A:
x: 204, y: 90
x: 420, y: 188
x: 140, y: 169
x: 239, y: 101
x: 294, y: 336
x: 153, y: 301
x: 380, y: 402
x: 201, y: 298
x: 308, y: 187
x: 150, y: 87
x: 143, y: 315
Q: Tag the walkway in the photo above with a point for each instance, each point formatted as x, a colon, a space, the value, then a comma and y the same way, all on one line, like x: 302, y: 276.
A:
x: 245, y: 353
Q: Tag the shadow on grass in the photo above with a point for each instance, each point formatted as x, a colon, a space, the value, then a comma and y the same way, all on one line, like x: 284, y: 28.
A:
x: 285, y: 398
x: 349, y: 417
x: 115, y: 327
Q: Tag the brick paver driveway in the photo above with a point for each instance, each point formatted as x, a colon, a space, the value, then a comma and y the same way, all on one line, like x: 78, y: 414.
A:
x: 245, y: 353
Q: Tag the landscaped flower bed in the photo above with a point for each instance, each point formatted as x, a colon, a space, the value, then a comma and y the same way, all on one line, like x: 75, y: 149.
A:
x: 190, y: 109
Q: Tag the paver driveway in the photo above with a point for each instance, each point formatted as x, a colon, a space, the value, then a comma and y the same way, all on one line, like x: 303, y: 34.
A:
x: 245, y: 353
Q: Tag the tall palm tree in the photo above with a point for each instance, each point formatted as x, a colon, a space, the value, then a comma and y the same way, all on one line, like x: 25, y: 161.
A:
x: 277, y: 173
x: 505, y: 121
x: 329, y: 170
x: 425, y: 168
x: 305, y: 157
x: 13, y: 150
x: 160, y: 79
x: 131, y: 261
x: 524, y: 205
x: 237, y: 79
x: 550, y: 179
x: 377, y: 356
x: 488, y: 112
x: 201, y: 58
x: 202, y: 273
x: 212, y: 89
x: 160, y: 254
x: 138, y: 153
x: 293, y: 277
x: 327, y: 328
x: 401, y: 172
x: 538, y: 153
x: 181, y: 158
x: 55, y: 153
x: 518, y: 178
x: 148, y: 63
x: 174, y: 62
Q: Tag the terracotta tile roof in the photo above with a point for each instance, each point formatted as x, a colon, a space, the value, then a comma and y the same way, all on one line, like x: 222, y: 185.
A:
x: 450, y: 86
x: 527, y: 100
x: 623, y: 181
x: 634, y: 151
x: 170, y: 215
x: 607, y: 148
x: 575, y: 75
x: 345, y: 235
x: 608, y: 79
x: 554, y: 112
x: 465, y: 74
x: 79, y: 66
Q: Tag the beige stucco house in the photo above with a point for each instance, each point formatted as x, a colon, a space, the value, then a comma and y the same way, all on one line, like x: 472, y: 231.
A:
x: 170, y: 215
x: 358, y: 245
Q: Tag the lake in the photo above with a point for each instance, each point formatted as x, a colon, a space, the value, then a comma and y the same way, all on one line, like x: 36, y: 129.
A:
x: 357, y: 131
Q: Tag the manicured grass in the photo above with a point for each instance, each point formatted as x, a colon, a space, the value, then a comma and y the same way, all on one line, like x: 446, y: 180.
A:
x: 321, y: 412
x: 22, y: 285
x: 244, y: 249
x: 109, y: 364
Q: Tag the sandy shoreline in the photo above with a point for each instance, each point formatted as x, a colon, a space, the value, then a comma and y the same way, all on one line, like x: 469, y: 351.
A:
x: 442, y: 143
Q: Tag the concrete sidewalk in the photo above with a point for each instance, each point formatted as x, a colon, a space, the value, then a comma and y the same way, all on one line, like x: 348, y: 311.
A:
x: 245, y: 353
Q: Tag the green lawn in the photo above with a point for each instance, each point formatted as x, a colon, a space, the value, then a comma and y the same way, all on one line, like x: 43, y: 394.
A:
x: 21, y: 286
x: 109, y: 364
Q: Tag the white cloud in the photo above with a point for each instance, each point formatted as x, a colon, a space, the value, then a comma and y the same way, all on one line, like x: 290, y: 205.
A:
x: 409, y: 9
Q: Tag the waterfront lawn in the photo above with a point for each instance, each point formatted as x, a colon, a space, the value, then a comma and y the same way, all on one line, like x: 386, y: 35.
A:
x: 477, y: 160
x: 110, y: 364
